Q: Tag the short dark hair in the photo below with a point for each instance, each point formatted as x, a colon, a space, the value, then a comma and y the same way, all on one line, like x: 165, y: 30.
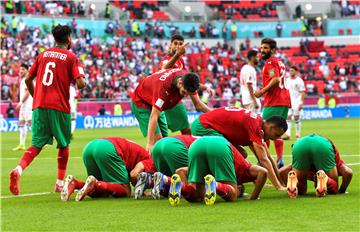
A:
x: 271, y: 42
x: 252, y: 53
x: 25, y: 66
x: 295, y: 68
x: 278, y: 121
x: 61, y: 33
x: 191, y: 82
x: 177, y: 37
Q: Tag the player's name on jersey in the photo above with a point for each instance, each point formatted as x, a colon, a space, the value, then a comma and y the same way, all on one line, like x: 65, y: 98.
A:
x: 57, y: 55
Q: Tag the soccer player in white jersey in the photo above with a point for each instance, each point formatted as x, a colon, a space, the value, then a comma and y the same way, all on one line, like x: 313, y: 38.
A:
x: 248, y: 83
x: 72, y: 102
x: 297, y: 95
x: 24, y: 107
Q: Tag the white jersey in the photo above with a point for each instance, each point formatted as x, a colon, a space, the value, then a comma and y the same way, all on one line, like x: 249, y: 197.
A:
x: 72, y: 99
x: 296, y: 86
x: 247, y: 75
x: 27, y: 104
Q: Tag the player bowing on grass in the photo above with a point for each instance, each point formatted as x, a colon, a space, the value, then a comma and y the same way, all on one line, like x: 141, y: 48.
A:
x: 111, y: 164
x: 54, y: 70
x: 244, y: 128
x: 215, y: 168
x: 314, y: 154
x: 157, y: 92
x: 276, y: 95
x: 168, y: 155
x: 176, y: 117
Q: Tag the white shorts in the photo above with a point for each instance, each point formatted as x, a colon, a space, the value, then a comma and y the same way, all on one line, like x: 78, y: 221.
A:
x: 251, y: 107
x: 25, y: 115
x: 294, y: 110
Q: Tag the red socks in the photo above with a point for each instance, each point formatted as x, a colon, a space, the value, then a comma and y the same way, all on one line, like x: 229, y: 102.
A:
x: 332, y: 186
x: 79, y: 184
x: 29, y: 156
x: 279, y: 147
x: 224, y: 191
x: 63, y: 157
x: 116, y: 190
x: 188, y: 192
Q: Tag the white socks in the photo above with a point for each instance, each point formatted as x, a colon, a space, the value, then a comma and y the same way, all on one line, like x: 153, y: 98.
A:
x: 288, y: 132
x: 23, y: 132
x: 60, y: 182
x: 297, y: 127
x: 19, y: 168
x: 73, y: 126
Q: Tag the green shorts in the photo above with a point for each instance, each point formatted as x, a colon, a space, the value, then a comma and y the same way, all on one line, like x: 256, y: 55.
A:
x: 103, y: 162
x: 313, y: 150
x: 176, y: 118
x: 169, y: 154
x: 198, y: 130
x: 143, y: 116
x: 270, y: 111
x: 47, y: 124
x: 211, y: 155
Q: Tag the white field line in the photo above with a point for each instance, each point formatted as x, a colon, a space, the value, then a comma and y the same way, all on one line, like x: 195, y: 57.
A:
x: 26, y: 195
x: 353, y: 164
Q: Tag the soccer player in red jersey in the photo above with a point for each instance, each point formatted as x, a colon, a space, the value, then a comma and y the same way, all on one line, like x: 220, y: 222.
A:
x: 242, y: 127
x: 54, y: 70
x: 215, y: 167
x: 111, y: 164
x: 276, y: 95
x: 157, y: 92
x: 176, y: 117
x: 315, y: 158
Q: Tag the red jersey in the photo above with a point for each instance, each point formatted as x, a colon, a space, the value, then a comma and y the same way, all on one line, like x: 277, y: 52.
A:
x: 242, y: 167
x: 158, y: 90
x: 187, y: 140
x: 55, y: 69
x: 178, y: 64
x: 278, y: 95
x: 238, y: 125
x: 132, y: 153
x: 338, y: 160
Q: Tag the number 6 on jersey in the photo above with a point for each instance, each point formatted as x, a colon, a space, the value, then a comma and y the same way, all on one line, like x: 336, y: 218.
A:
x: 48, y: 72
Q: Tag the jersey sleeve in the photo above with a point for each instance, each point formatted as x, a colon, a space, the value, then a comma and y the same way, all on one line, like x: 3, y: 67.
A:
x: 273, y: 69
x: 248, y: 79
x: 77, y: 69
x: 301, y: 86
x: 256, y: 134
x: 34, y: 67
x: 160, y: 96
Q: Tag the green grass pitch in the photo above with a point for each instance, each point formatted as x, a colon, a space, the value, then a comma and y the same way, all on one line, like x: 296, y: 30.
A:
x: 273, y: 212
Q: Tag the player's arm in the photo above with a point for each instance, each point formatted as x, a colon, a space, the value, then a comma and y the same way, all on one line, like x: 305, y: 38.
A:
x: 179, y: 52
x: 261, y: 155
x: 207, y: 89
x: 260, y: 174
x: 153, y: 122
x: 251, y: 91
x: 29, y: 78
x: 139, y: 167
x: 274, y: 81
x: 346, y: 174
x: 199, y: 105
x: 302, y: 99
x: 80, y: 82
x: 26, y: 95
x: 274, y: 165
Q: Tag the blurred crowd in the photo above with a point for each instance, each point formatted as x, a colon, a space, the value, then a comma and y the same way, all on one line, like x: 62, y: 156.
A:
x: 114, y: 66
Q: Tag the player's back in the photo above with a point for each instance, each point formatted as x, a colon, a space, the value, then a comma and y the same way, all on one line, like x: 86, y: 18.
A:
x: 247, y: 75
x: 55, y: 68
x: 238, y: 125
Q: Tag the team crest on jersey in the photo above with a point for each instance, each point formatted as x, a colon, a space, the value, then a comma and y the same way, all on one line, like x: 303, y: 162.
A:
x: 271, y: 72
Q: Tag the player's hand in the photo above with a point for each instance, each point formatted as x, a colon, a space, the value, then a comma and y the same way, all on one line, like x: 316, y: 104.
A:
x: 300, y: 107
x: 18, y: 106
x: 181, y: 49
x: 210, y: 91
x: 258, y: 93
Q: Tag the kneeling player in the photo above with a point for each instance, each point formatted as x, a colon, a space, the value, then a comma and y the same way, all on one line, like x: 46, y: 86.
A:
x: 215, y: 167
x: 111, y: 164
x: 168, y: 154
x: 316, y: 158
